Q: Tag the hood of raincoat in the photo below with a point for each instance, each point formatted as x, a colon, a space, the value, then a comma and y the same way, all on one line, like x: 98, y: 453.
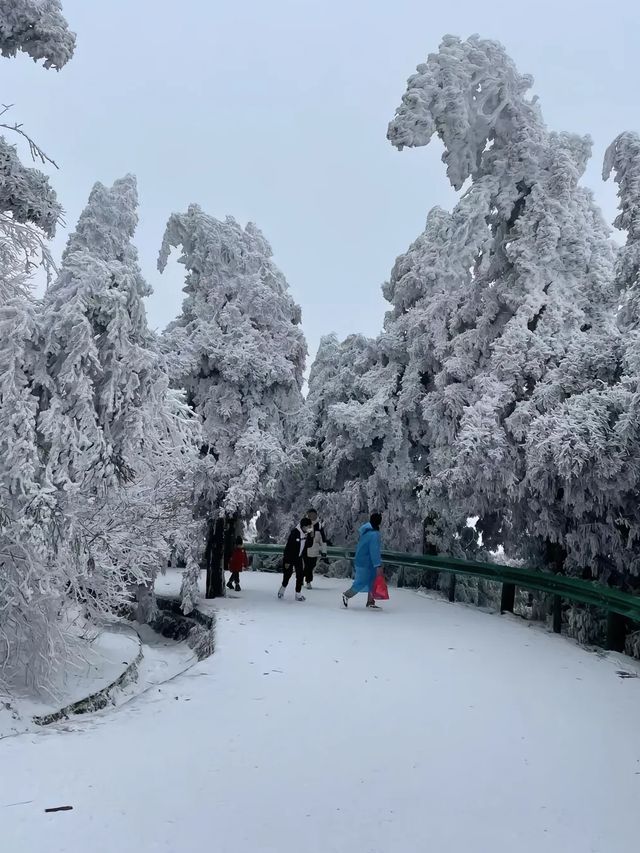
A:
x: 366, y: 526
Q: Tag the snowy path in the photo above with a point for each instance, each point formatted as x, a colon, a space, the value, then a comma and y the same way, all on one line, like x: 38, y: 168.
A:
x: 425, y: 727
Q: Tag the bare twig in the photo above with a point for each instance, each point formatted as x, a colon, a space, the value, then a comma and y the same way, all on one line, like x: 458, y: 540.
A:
x: 34, y: 149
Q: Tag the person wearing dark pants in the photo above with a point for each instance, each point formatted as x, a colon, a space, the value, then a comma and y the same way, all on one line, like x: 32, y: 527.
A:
x: 316, y: 545
x: 287, y: 573
x: 292, y: 560
x: 309, y: 568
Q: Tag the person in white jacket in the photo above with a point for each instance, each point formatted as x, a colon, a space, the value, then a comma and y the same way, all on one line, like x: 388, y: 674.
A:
x: 316, y: 546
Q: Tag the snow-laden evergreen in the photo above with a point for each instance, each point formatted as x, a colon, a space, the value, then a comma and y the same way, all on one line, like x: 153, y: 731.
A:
x: 96, y: 449
x: 30, y: 530
x: 108, y: 417
x: 29, y: 592
x: 337, y: 465
x: 238, y: 351
x: 29, y: 214
x: 25, y: 194
x: 29, y: 209
x: 37, y: 28
x: 523, y: 262
x: 353, y: 443
x: 622, y: 158
x: 107, y: 382
x: 584, y: 454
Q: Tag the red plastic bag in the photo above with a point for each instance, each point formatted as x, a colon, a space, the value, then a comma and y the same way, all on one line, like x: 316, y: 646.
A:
x: 380, y: 589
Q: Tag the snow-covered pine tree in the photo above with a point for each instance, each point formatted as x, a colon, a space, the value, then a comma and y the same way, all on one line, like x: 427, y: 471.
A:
x: 102, y: 362
x: 37, y: 28
x: 335, y: 470
x: 528, y: 263
x: 29, y: 211
x: 331, y: 380
x: 622, y: 158
x: 113, y: 436
x: 583, y: 452
x: 412, y: 342
x: 30, y: 588
x: 238, y: 351
x: 353, y: 443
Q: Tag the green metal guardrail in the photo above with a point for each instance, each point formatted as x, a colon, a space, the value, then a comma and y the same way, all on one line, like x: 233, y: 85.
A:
x: 620, y: 606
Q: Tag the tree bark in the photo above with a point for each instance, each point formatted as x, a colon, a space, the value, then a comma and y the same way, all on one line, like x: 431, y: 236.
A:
x: 555, y: 556
x: 213, y: 555
x: 508, y: 598
x: 616, y: 632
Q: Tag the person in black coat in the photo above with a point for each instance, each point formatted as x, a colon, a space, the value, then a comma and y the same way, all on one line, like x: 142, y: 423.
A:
x: 316, y: 546
x: 292, y: 560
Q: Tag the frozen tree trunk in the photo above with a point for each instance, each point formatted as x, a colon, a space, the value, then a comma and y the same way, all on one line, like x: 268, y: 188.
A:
x: 213, y: 554
x: 556, y: 556
x: 616, y: 632
x: 145, y: 603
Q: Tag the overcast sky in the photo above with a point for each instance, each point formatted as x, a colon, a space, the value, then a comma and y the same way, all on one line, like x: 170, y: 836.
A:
x: 276, y: 111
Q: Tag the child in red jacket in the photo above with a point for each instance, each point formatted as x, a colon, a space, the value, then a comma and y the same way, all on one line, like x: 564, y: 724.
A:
x: 237, y: 562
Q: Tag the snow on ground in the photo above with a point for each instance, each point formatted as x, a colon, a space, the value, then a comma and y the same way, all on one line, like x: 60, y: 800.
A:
x: 428, y: 726
x: 97, y: 665
x: 97, y: 661
x: 162, y: 661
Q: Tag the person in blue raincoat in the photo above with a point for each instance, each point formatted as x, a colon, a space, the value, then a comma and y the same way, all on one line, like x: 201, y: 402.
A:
x: 368, y: 560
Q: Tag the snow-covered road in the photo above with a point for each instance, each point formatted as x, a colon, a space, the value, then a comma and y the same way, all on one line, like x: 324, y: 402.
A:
x: 428, y: 726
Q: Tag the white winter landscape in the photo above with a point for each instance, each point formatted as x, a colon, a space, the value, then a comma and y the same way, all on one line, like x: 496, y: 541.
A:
x: 319, y: 427
x: 425, y: 726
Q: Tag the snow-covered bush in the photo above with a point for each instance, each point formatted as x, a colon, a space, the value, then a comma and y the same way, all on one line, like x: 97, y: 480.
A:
x: 632, y: 645
x: 587, y: 625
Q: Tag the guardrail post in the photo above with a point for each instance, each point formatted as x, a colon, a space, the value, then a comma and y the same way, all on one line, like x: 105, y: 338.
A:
x: 557, y: 614
x: 452, y: 588
x: 508, y: 598
x: 616, y: 632
x: 400, y: 581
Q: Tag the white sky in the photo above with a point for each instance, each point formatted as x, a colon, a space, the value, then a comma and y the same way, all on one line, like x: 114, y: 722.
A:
x: 276, y: 111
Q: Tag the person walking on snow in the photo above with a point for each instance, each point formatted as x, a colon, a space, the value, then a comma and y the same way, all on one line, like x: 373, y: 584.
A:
x: 367, y: 562
x: 316, y: 546
x: 292, y: 560
x: 237, y: 562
